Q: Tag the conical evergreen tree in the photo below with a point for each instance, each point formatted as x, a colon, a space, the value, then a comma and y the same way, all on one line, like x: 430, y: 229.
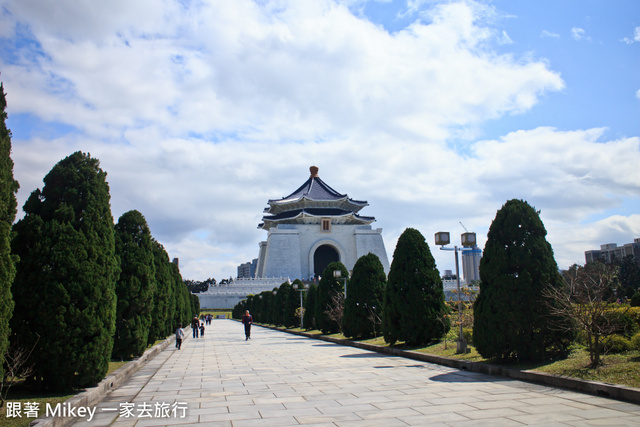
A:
x: 8, y: 208
x: 363, y: 306
x: 194, y: 303
x: 292, y: 303
x: 183, y: 312
x: 511, y: 313
x: 414, y: 298
x: 329, y: 285
x: 136, y: 286
x: 280, y: 303
x: 268, y: 305
x: 164, y: 320
x: 65, y: 284
x: 310, y: 307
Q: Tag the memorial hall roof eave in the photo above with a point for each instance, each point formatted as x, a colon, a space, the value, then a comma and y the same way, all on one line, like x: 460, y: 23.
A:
x: 317, y: 190
x: 345, y: 204
x: 318, y: 213
x: 295, y: 216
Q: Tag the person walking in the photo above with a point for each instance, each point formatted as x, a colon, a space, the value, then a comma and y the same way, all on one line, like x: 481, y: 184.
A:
x: 195, y: 326
x: 247, y: 320
x: 179, y: 336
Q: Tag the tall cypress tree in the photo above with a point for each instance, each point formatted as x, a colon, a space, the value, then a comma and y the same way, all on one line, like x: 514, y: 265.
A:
x: 183, y: 311
x: 195, y: 303
x: 268, y: 305
x: 414, y: 297
x: 363, y: 306
x: 136, y: 286
x: 310, y: 307
x: 511, y: 314
x: 65, y: 283
x: 327, y: 288
x: 280, y: 302
x: 164, y: 320
x: 8, y: 208
x: 292, y: 303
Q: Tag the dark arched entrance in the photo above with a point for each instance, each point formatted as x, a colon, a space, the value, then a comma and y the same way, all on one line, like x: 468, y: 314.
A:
x: 322, y: 257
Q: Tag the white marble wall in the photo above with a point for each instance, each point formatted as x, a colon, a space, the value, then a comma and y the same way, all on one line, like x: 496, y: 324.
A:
x: 227, y: 296
x: 290, y: 248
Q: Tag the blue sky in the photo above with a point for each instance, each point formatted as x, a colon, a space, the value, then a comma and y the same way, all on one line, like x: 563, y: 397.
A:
x: 583, y: 40
x: 435, y: 112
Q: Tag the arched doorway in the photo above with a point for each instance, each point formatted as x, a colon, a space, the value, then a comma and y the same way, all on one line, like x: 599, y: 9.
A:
x: 322, y: 257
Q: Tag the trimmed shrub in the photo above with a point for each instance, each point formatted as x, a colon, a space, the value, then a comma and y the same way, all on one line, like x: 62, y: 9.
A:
x: 8, y: 209
x: 363, y: 306
x: 163, y: 317
x: 627, y: 320
x: 328, y: 287
x: 635, y: 342
x: 615, y: 344
x: 467, y: 333
x: 414, y: 307
x: 511, y: 313
x: 634, y: 313
x: 67, y: 275
x: 135, y: 287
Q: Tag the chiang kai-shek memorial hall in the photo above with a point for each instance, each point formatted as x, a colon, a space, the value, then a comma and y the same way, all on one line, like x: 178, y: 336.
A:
x: 313, y: 226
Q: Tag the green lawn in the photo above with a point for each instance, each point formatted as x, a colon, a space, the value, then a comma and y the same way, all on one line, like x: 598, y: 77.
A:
x: 22, y: 397
x: 215, y: 313
x: 623, y: 369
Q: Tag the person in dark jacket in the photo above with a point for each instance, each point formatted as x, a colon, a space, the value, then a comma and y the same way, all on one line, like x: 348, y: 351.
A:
x: 247, y: 320
x: 195, y: 326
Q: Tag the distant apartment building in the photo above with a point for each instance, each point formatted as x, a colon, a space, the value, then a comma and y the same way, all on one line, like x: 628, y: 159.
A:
x: 611, y: 251
x: 470, y: 270
x: 471, y: 265
x: 248, y: 269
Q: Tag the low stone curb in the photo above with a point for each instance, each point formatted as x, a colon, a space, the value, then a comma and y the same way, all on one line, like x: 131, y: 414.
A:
x: 613, y: 391
x: 94, y: 395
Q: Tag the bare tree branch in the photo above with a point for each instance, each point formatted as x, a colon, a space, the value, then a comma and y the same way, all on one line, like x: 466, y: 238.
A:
x: 581, y: 304
x: 15, y: 368
x: 335, y: 310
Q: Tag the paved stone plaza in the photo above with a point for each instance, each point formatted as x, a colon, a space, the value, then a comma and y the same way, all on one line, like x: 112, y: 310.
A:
x: 278, y: 379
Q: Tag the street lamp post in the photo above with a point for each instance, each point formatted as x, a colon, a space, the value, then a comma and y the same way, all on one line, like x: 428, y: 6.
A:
x: 338, y: 275
x: 468, y: 241
x: 301, y: 288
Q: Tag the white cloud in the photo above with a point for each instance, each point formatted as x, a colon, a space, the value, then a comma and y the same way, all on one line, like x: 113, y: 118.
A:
x: 505, y: 39
x: 570, y: 241
x: 544, y: 163
x: 638, y: 94
x: 579, y: 34
x: 635, y: 38
x: 302, y: 71
x: 6, y: 24
x: 546, y: 33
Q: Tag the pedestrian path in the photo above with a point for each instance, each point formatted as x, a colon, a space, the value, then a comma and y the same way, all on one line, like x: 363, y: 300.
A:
x: 278, y: 379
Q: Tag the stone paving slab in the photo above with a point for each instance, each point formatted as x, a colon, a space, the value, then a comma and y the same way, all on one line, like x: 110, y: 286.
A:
x: 278, y: 379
